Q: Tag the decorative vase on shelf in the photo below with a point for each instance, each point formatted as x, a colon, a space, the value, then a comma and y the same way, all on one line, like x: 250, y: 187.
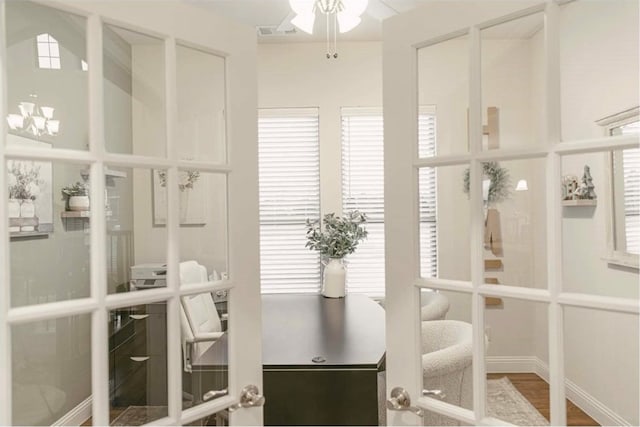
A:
x: 79, y: 203
x: 14, y: 208
x: 27, y: 209
x: 333, y: 279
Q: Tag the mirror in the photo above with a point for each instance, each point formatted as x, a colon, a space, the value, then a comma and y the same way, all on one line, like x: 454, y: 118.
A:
x: 624, y: 168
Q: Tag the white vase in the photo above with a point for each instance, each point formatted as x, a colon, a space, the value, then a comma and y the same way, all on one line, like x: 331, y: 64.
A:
x: 27, y: 209
x: 333, y: 279
x: 14, y: 208
x: 79, y: 203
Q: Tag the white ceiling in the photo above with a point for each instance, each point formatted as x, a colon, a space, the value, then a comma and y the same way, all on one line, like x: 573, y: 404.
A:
x: 272, y: 13
x: 277, y: 13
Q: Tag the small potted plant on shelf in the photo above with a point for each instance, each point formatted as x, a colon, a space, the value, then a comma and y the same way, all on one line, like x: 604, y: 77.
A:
x: 77, y: 196
x: 340, y: 237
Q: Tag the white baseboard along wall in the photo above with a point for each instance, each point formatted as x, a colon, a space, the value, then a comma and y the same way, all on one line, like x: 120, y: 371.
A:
x: 583, y: 400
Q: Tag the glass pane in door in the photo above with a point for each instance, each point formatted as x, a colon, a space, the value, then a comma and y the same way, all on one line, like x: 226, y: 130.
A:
x: 443, y: 96
x: 138, y: 364
x: 134, y: 98
x: 201, y: 90
x: 47, y: 83
x: 49, y: 218
x: 513, y: 83
x: 205, y: 335
x: 51, y: 368
x: 514, y: 244
x: 444, y: 223
x: 203, y: 221
x: 136, y: 250
x: 517, y: 361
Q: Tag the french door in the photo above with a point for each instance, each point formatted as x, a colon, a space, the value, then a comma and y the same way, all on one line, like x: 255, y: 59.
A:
x: 150, y: 111
x: 521, y: 266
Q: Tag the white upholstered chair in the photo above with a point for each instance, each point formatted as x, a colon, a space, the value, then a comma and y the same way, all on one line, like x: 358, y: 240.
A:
x: 446, y: 364
x: 200, y: 321
x: 434, y: 306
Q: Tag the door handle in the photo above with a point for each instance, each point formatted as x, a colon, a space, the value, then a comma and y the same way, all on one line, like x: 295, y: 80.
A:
x: 401, y: 401
x: 249, y: 397
x: 438, y: 394
x: 213, y: 394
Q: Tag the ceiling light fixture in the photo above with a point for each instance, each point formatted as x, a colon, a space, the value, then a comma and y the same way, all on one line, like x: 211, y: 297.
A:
x: 33, y: 119
x: 342, y: 15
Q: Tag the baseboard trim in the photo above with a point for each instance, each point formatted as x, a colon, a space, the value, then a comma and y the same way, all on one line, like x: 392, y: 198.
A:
x: 76, y: 416
x: 504, y: 364
x: 583, y: 400
x: 592, y: 406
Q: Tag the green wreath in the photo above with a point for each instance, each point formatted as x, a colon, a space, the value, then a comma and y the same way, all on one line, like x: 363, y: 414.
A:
x: 500, y: 188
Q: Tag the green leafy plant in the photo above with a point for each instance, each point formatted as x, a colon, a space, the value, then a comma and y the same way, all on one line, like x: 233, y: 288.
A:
x: 341, y: 235
x: 77, y: 189
x: 499, y: 188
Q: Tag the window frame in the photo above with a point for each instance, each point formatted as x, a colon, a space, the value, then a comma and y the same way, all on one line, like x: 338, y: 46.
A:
x: 614, y: 255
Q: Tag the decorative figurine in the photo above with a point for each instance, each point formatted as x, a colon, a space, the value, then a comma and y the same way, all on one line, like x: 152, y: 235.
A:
x: 569, y: 185
x: 586, y: 189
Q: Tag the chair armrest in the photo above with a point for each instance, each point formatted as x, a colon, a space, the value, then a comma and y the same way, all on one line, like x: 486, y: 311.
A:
x: 446, y: 361
x: 205, y: 336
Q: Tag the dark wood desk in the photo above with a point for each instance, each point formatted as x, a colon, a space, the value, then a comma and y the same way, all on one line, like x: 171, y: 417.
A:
x: 348, y: 334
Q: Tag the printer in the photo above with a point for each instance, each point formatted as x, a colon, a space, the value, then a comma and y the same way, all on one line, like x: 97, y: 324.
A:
x: 148, y: 276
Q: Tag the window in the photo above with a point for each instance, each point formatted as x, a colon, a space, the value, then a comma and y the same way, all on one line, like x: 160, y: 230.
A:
x: 624, y: 234
x: 289, y: 173
x: 48, y: 52
x: 626, y: 170
x: 363, y: 190
x: 428, y: 189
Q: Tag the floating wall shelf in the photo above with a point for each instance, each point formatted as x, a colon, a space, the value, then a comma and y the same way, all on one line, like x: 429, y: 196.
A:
x: 78, y: 214
x: 591, y: 202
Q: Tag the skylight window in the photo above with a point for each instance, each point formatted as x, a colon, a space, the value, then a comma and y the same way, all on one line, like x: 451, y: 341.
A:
x: 48, y: 52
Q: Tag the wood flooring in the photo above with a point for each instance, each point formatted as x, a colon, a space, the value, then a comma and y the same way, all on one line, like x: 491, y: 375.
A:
x: 536, y: 391
x: 532, y: 387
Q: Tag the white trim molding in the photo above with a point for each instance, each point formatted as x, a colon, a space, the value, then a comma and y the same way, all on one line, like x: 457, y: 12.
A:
x: 76, y: 416
x: 582, y: 399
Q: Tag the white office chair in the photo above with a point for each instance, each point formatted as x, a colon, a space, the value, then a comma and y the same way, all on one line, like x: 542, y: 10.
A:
x: 434, y: 306
x: 200, y: 321
x: 446, y: 365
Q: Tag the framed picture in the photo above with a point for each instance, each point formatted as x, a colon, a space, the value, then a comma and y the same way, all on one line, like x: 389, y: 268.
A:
x: 193, y: 191
x: 30, y: 185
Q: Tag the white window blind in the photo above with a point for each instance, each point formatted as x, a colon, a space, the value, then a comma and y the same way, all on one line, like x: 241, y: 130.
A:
x: 363, y: 189
x: 289, y: 174
x: 428, y: 194
x: 631, y: 170
x: 631, y: 178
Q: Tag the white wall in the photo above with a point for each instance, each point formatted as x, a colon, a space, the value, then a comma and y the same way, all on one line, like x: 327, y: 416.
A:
x: 599, y: 78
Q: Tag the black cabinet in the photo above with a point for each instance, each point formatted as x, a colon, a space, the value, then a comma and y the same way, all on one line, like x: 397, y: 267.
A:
x: 138, y: 356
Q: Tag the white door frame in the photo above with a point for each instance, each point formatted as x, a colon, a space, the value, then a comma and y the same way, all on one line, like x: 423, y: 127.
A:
x: 237, y: 44
x: 403, y: 35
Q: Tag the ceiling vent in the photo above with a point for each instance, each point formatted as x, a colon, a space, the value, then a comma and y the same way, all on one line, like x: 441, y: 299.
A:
x: 273, y: 30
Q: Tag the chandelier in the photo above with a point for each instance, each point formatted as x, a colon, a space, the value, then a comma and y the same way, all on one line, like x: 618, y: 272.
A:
x: 34, y: 119
x: 343, y: 14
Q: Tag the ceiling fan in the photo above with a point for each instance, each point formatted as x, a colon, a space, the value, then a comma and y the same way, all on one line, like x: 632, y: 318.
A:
x: 377, y: 9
